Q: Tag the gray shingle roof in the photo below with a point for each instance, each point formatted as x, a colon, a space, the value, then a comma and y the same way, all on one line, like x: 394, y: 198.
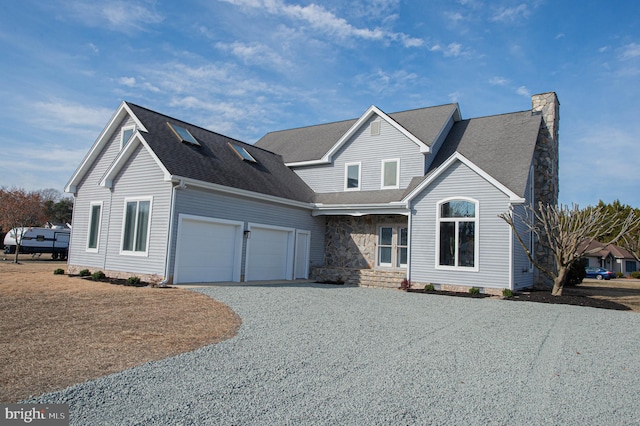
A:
x: 501, y: 145
x: 313, y: 142
x: 215, y: 162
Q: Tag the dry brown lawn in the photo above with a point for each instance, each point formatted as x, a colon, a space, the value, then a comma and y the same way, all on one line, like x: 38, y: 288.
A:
x: 56, y: 330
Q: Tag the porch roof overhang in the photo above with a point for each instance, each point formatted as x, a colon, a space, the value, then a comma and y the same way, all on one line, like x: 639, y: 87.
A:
x: 360, y: 209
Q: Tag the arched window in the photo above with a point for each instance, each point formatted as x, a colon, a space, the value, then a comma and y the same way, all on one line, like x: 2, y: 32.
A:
x: 457, y: 232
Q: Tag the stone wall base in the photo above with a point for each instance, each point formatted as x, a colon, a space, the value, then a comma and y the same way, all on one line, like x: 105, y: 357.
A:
x: 359, y: 277
x: 152, y: 279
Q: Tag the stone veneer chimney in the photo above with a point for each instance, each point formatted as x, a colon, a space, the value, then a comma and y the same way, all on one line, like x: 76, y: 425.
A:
x: 545, y: 163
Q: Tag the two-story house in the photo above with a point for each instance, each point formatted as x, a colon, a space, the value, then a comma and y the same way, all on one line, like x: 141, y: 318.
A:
x: 368, y: 201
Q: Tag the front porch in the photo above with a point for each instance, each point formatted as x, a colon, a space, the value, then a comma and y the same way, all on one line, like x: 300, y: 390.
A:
x: 367, y: 251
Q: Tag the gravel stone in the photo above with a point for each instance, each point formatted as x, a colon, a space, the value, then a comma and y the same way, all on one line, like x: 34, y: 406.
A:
x: 322, y: 354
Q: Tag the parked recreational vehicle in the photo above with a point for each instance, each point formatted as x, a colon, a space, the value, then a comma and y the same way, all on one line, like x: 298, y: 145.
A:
x: 54, y: 240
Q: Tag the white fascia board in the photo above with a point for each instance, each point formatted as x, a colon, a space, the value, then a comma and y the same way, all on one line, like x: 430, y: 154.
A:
x: 360, y: 209
x: 513, y: 198
x: 125, y: 154
x: 106, y: 134
x: 186, y: 182
x: 307, y: 163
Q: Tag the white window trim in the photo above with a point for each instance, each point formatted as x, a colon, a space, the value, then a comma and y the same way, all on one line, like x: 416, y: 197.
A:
x: 383, y: 164
x: 476, y: 239
x: 97, y: 248
x: 346, y: 176
x: 124, y: 219
x: 124, y: 129
x: 394, y: 246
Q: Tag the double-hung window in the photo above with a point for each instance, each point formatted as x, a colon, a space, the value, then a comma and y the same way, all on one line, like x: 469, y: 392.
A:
x: 390, y: 174
x: 95, y: 219
x: 457, y: 234
x: 352, y: 176
x: 135, y: 231
x: 392, y: 246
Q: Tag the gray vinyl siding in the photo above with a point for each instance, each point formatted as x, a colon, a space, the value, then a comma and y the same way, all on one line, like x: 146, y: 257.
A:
x: 201, y: 202
x: 141, y: 177
x: 89, y: 191
x: 369, y: 151
x: 522, y: 269
x: 493, y: 257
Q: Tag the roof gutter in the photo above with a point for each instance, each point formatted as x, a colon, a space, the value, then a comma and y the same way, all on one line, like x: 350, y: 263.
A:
x: 360, y: 209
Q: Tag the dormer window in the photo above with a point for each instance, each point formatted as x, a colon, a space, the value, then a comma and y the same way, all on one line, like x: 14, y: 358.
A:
x: 183, y: 134
x: 242, y: 153
x: 126, y: 134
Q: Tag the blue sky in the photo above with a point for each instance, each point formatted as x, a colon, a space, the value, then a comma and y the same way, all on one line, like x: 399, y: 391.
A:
x: 246, y: 67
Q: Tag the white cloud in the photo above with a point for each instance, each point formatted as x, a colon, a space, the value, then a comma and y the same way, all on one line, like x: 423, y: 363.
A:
x: 255, y: 53
x: 381, y: 81
x: 560, y: 35
x: 454, y: 17
x: 511, y: 14
x: 127, y: 81
x: 63, y: 114
x: 603, y: 49
x: 630, y: 51
x: 124, y: 16
x: 327, y: 22
x: 498, y: 81
x: 452, y: 49
x: 587, y: 176
x: 523, y: 91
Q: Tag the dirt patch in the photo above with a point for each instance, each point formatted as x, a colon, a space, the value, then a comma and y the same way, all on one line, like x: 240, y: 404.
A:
x: 56, y: 331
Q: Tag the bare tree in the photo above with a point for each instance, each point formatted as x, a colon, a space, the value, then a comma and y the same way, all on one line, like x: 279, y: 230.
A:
x: 19, y: 209
x: 632, y: 243
x: 567, y: 233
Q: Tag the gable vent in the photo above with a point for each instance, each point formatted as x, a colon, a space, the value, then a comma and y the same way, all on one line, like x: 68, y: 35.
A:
x: 375, y: 128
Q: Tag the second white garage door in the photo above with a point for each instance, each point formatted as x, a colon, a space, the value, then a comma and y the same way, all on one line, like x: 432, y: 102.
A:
x: 269, y: 253
x: 208, y: 250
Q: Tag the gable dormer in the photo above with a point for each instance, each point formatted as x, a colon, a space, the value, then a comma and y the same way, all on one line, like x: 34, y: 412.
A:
x: 377, y: 151
x: 123, y: 124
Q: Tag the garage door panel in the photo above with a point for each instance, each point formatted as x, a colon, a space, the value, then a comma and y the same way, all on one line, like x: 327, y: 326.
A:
x: 268, y: 254
x: 207, y: 251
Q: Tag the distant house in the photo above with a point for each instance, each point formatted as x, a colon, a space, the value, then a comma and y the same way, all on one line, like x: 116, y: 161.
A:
x: 611, y: 257
x: 367, y: 201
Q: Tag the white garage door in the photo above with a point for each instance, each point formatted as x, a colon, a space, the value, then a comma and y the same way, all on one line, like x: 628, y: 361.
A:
x: 208, y: 250
x: 269, y: 254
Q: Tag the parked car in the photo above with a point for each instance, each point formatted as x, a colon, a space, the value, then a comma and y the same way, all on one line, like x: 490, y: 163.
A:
x: 599, y: 273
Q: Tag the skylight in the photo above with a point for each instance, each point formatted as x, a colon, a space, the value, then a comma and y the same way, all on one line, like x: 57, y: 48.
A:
x: 243, y: 153
x: 183, y: 134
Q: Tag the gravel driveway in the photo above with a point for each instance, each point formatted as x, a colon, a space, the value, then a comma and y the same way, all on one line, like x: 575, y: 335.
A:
x: 321, y: 354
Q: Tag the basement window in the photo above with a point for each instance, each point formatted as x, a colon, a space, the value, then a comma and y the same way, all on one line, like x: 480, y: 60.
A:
x: 243, y: 153
x: 183, y: 134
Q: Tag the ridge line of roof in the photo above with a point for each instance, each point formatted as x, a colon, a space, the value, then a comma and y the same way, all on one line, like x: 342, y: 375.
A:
x: 357, y: 118
x: 200, y: 127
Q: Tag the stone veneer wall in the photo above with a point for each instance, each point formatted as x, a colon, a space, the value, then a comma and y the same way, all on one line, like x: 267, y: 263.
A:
x: 350, y: 252
x: 546, y: 162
